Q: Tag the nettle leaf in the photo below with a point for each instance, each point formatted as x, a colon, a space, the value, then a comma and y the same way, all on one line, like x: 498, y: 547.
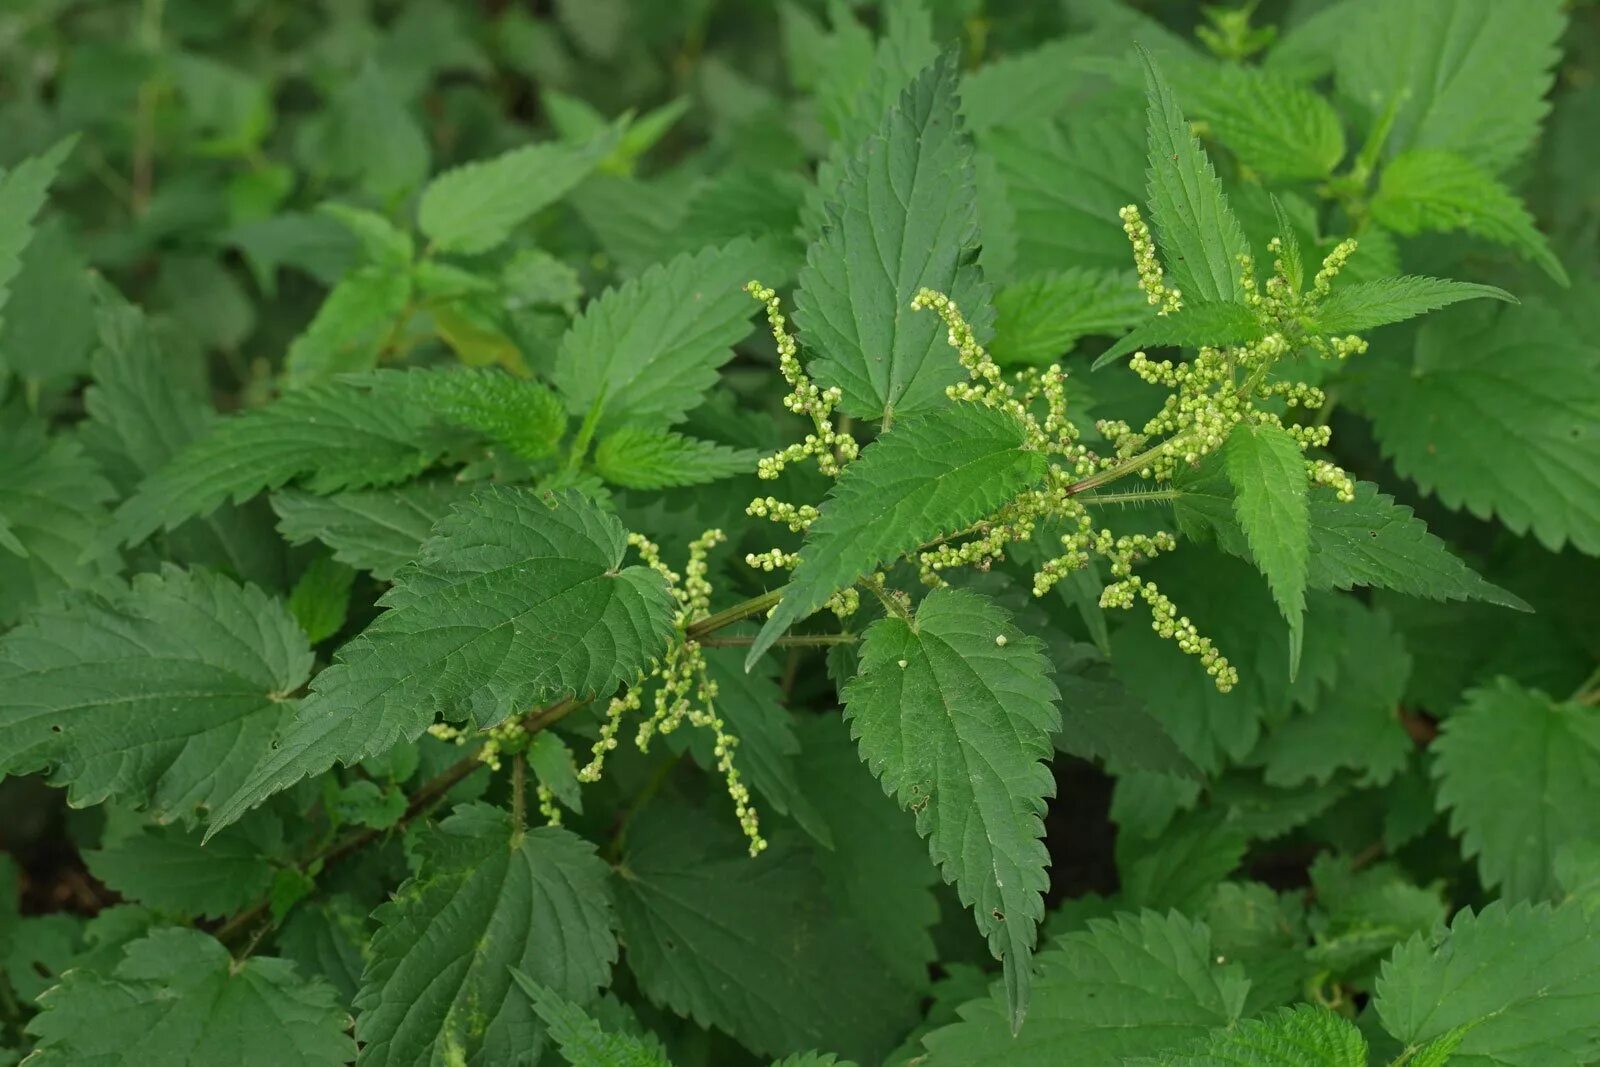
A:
x: 1468, y: 77
x: 1370, y: 541
x: 1428, y: 191
x: 953, y: 710
x: 637, y: 458
x: 1040, y: 319
x: 1303, y: 1036
x: 1274, y: 125
x: 582, y: 1041
x: 1192, y: 326
x: 514, y: 602
x: 1363, y: 306
x: 23, y: 189
x: 355, y: 321
x: 930, y: 475
x: 320, y: 599
x: 1268, y: 474
x: 1182, y: 866
x: 523, y: 415
x: 377, y: 530
x: 1199, y: 237
x: 1520, y: 776
x: 488, y: 898
x: 755, y: 947
x: 53, y: 516
x: 904, y: 217
x: 166, y: 868
x: 1520, y: 983
x: 647, y: 351
x: 1135, y: 985
x: 344, y: 435
x: 1359, y: 916
x: 178, y: 997
x: 161, y: 694
x: 1498, y: 412
x: 475, y: 207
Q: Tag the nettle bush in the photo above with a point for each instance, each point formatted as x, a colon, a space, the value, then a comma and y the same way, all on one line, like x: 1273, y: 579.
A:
x: 646, y: 592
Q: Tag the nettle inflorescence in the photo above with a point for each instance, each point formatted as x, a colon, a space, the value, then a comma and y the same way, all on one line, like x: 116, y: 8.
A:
x: 684, y: 692
x: 1208, y: 396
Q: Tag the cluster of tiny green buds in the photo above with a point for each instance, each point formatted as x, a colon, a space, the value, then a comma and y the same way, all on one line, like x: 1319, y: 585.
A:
x: 684, y: 691
x: 1332, y: 264
x: 831, y: 446
x: 498, y: 740
x: 1166, y: 622
x: 797, y: 517
x: 546, y: 798
x: 1148, y: 265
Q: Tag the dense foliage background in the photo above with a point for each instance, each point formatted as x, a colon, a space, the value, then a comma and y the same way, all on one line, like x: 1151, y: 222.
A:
x: 212, y: 211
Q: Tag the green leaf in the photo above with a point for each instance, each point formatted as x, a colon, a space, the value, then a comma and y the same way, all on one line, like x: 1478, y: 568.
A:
x: 1192, y: 326
x: 1468, y: 77
x: 1268, y: 474
x: 1275, y: 126
x: 473, y: 208
x: 1361, y: 915
x: 1498, y: 412
x: 581, y: 1040
x: 522, y: 415
x: 904, y: 217
x: 953, y: 711
x: 357, y: 319
x: 1364, y: 305
x: 514, y: 602
x: 344, y: 435
x: 177, y: 997
x: 637, y: 458
x: 754, y: 947
x: 1182, y: 866
x: 1520, y: 776
x: 49, y: 318
x: 52, y: 516
x: 1101, y: 719
x: 191, y: 676
x: 22, y: 193
x: 1353, y: 725
x: 1430, y: 191
x: 320, y: 599
x: 1040, y: 319
x: 1199, y: 236
x: 1523, y: 981
x: 648, y: 350
x: 1370, y: 541
x: 930, y: 475
x: 167, y: 869
x: 377, y: 530
x: 1135, y: 985
x: 1265, y: 933
x: 488, y: 898
x: 551, y: 762
x: 1303, y: 1036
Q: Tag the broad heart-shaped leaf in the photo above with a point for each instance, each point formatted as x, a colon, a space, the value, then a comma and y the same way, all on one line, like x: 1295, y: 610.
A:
x: 167, y: 869
x: 1199, y: 237
x: 1520, y: 775
x: 1136, y: 985
x: 344, y: 435
x: 582, y: 1041
x: 22, y: 194
x: 377, y: 530
x: 933, y: 474
x: 1268, y: 474
x: 1191, y: 326
x: 1370, y: 541
x: 1039, y: 319
x: 953, y: 710
x: 475, y: 207
x: 1498, y: 412
x: 178, y: 997
x: 758, y: 947
x: 635, y: 458
x: 1429, y: 191
x: 648, y: 350
x: 1523, y: 981
x: 1362, y: 306
x: 1302, y: 1036
x: 1468, y: 77
x: 1274, y: 125
x: 904, y: 217
x: 53, y: 515
x: 438, y: 986
x: 514, y: 602
x: 161, y: 694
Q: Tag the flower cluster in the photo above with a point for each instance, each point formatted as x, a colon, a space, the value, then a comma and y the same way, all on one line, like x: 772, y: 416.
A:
x: 684, y: 692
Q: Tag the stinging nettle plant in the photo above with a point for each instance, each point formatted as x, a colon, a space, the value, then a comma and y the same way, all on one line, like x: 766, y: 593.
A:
x: 383, y: 694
